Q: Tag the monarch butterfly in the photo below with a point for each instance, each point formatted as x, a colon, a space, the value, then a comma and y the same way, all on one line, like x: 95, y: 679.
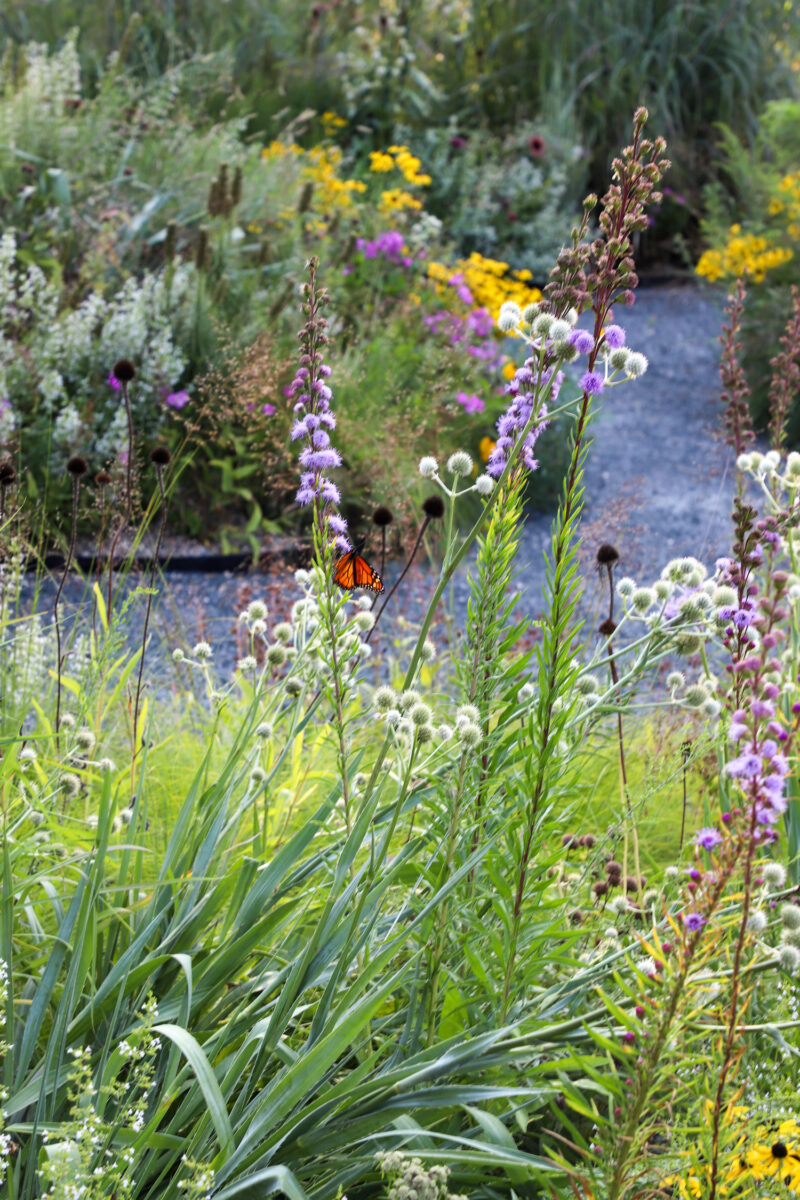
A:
x: 352, y: 571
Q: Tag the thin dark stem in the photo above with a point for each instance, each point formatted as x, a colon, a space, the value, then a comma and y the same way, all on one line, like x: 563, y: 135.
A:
x: 126, y: 518
x: 383, y: 550
x: 401, y: 577
x: 72, y: 535
x: 686, y: 750
x: 148, y: 609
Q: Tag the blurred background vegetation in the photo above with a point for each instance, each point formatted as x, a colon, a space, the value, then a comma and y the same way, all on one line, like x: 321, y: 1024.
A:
x: 119, y: 120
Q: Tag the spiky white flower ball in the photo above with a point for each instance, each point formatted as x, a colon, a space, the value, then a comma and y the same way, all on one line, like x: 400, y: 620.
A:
x: 282, y: 632
x: 257, y: 776
x: 248, y: 663
x: 293, y: 687
x: 428, y: 467
x: 428, y: 651
x: 301, y: 576
x: 662, y: 590
x: 618, y: 905
x: 392, y: 717
x: 571, y: 315
x: 276, y: 654
x: 774, y: 875
x: 793, y: 467
x: 619, y: 358
x: 651, y: 897
x: 586, y: 684
x: 643, y: 598
x: 37, y: 818
x: 711, y: 707
x: 259, y: 628
x: 636, y: 365
x: 460, y: 463
x: 484, y: 485
x: 106, y: 764
x: 724, y: 596
x: 364, y: 621
x: 542, y: 325
x: 756, y: 459
x: 695, y: 695
x: 530, y: 312
x: 70, y: 784
x: 789, y: 958
x: 771, y: 461
x: 67, y: 721
x: 84, y: 739
x: 757, y: 921
x: 126, y: 815
x: 790, y: 916
x: 508, y: 319
x: 688, y: 643
x: 626, y: 587
x: 469, y: 734
x: 468, y: 712
x: 177, y: 655
x: 424, y: 734
x: 526, y: 693
x: 444, y: 733
x: 420, y: 714
x: 256, y: 610
x: 560, y: 330
x: 671, y: 873
x: 264, y: 730
x: 744, y: 461
x: 202, y: 651
x: 409, y: 698
x: 676, y: 680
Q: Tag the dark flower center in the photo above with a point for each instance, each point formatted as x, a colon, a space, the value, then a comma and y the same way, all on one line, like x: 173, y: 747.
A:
x: 779, y: 1150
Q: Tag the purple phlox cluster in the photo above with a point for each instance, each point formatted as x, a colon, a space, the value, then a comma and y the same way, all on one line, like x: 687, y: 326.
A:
x: 474, y: 333
x: 114, y: 382
x: 458, y: 282
x: 388, y: 245
x: 315, y: 420
x: 707, y: 838
x: 268, y: 410
x: 522, y: 391
x: 470, y: 402
x: 177, y: 400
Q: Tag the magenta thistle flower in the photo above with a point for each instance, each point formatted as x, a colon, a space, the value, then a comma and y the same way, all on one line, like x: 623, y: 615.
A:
x: 177, y: 400
x: 470, y: 403
x: 694, y: 921
x: 114, y: 382
x: 592, y: 383
x: 268, y: 410
x: 707, y: 838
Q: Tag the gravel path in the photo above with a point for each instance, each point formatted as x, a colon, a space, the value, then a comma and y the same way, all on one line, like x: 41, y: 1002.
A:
x: 659, y: 484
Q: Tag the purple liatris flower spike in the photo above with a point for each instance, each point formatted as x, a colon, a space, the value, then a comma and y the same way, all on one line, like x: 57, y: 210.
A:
x: 522, y: 390
x: 315, y: 418
x: 707, y: 838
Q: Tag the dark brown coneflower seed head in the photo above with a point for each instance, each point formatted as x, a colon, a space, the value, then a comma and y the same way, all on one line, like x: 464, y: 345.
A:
x: 613, y: 867
x: 124, y: 370
x: 576, y: 916
x: 600, y: 888
x: 382, y: 516
x: 160, y: 456
x: 569, y: 841
x: 588, y: 840
x: 607, y: 554
x: 77, y: 466
x: 631, y: 883
x: 433, y: 507
x: 102, y: 479
x: 7, y: 474
x: 607, y: 628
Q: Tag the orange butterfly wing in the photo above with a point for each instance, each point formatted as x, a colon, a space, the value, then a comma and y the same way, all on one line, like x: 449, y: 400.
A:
x: 352, y: 571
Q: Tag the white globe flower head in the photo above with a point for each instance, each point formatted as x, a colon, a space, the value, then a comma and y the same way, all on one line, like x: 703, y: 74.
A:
x: 543, y: 324
x: 248, y: 663
x: 364, y: 621
x: 484, y: 485
x: 662, y: 590
x: 282, y: 632
x: 756, y: 459
x: 744, y: 462
x: 560, y: 330
x: 771, y: 461
x: 793, y: 468
x: 675, y: 681
x: 643, y: 598
x: 790, y: 916
x: 301, y: 576
x: 757, y: 921
x: 177, y: 655
x: 460, y: 463
x: 618, y: 358
x: 508, y: 319
x: 428, y: 467
x: 202, y: 651
x: 774, y: 875
x: 530, y: 312
x: 586, y: 685
x: 257, y: 611
x: 526, y: 693
x: 571, y: 315
x: 444, y: 733
x: 636, y: 365
x: 710, y: 708
x: 789, y: 958
x: 626, y: 587
x: 428, y: 651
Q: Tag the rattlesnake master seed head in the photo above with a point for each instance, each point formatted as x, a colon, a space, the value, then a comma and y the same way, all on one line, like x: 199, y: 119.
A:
x: 428, y: 467
x: 695, y: 695
x: 774, y: 875
x: 264, y: 730
x: 560, y: 330
x: 744, y: 462
x: 459, y: 463
x: 626, y: 587
x: 790, y: 916
x: 530, y: 312
x: 526, y: 693
x: 256, y: 610
x: 257, y: 775
x: 384, y: 698
x: 543, y: 324
x: 444, y: 733
x: 293, y: 687
x: 793, y: 465
x: 469, y: 734
x: 282, y: 632
x: 424, y: 734
x: 662, y: 590
x: 757, y: 921
x: 643, y: 598
x: 724, y: 597
x: 364, y: 621
x: 710, y: 707
x: 428, y: 651
x: 484, y: 485
x: 409, y: 698
x: 789, y: 958
x: 248, y: 663
x: 84, y: 739
x: 420, y: 714
x: 619, y: 359
x: 675, y: 680
x: 587, y: 684
x: 202, y: 651
x: 636, y: 365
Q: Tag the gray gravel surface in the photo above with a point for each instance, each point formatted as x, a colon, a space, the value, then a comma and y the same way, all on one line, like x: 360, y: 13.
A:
x: 659, y: 483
